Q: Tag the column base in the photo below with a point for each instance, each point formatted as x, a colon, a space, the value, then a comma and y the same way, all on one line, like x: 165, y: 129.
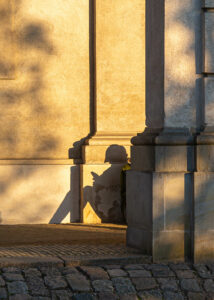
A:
x: 161, y: 225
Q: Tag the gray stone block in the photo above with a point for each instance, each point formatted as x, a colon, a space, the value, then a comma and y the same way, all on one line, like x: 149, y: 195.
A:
x: 209, y: 3
x: 209, y: 43
x: 205, y: 158
x: 174, y: 158
x: 204, y: 215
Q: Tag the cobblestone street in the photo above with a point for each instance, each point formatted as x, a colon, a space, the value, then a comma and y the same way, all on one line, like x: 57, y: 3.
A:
x: 108, y: 282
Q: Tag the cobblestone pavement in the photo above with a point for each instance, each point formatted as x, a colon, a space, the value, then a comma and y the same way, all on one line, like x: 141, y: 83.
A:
x: 108, y: 282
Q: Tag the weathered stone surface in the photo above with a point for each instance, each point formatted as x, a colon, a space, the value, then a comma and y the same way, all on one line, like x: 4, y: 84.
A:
x: 2, y: 282
x: 95, y: 273
x: 21, y: 297
x: 52, y: 271
x: 13, y: 277
x: 110, y: 267
x: 190, y: 285
x: 61, y: 294
x: 69, y: 270
x: 102, y: 285
x: 11, y: 270
x: 168, y: 284
x: 32, y: 272
x: 78, y: 283
x: 211, y: 267
x: 209, y: 285
x: 3, y: 293
x: 156, y: 267
x: 179, y: 267
x: 203, y: 212
x: 185, y: 273
x: 55, y: 282
x: 36, y: 286
x: 133, y: 267
x: 144, y: 283
x: 196, y: 296
x: 172, y: 295
x: 163, y: 273
x: 203, y: 271
x: 151, y: 295
x: 129, y: 297
x: 17, y: 287
x: 123, y: 285
x: 41, y: 298
x: 139, y: 273
x: 84, y: 297
x: 107, y: 296
x: 117, y: 273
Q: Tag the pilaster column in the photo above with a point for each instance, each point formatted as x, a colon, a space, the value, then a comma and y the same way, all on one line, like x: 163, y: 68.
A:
x: 119, y: 96
x: 204, y: 178
x: 161, y: 182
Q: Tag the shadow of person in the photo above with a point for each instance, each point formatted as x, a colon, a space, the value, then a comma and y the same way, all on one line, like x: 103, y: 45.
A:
x: 103, y: 198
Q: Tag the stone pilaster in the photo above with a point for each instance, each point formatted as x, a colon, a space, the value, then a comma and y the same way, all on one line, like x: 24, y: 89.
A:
x: 204, y: 177
x: 119, y: 96
x: 161, y: 182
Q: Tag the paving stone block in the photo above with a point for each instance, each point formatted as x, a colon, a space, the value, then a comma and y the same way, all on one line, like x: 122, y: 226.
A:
x: 211, y: 267
x: 69, y: 270
x: 55, y: 282
x: 3, y: 293
x: 151, y: 295
x: 110, y: 267
x: 52, y: 271
x: 210, y: 296
x: 179, y: 267
x: 209, y: 285
x: 84, y: 297
x: 36, y: 286
x: 11, y: 270
x: 156, y: 267
x: 2, y: 282
x: 41, y: 298
x: 185, y: 274
x: 196, y: 296
x: 203, y: 271
x: 32, y: 272
x: 168, y: 284
x: 61, y: 295
x: 163, y: 273
x: 133, y: 267
x: 20, y: 297
x: 173, y: 296
x: 107, y: 296
x: 17, y: 287
x: 78, y: 283
x: 13, y: 277
x: 117, y: 273
x: 190, y: 285
x: 123, y: 285
x: 129, y: 297
x: 144, y: 283
x: 95, y: 273
x: 139, y: 273
x: 102, y: 285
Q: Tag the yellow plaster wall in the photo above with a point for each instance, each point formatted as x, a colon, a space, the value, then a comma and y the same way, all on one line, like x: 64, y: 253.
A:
x: 120, y: 63
x: 47, y: 97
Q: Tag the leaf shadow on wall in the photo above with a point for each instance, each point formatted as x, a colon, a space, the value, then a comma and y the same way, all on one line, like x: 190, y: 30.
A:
x: 23, y: 106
